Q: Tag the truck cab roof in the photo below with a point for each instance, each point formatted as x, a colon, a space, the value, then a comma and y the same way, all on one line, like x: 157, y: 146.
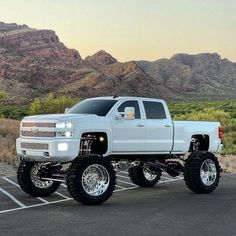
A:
x: 120, y: 98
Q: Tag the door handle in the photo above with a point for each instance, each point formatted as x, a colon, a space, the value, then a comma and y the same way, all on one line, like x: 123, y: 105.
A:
x: 140, y: 125
x: 167, y: 125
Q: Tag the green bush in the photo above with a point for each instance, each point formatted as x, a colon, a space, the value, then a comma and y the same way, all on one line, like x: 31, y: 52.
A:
x: 13, y: 111
x: 51, y: 104
x: 3, y: 95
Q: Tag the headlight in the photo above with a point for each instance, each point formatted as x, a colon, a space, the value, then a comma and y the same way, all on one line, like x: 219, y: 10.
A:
x: 66, y: 134
x: 63, y: 125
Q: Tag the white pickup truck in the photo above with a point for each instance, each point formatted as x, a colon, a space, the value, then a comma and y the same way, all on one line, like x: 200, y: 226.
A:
x: 100, y: 135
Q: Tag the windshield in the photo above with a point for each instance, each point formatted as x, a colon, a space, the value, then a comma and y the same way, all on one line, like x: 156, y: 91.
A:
x: 97, y: 107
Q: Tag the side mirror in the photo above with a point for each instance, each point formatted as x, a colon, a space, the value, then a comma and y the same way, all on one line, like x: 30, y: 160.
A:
x: 67, y: 109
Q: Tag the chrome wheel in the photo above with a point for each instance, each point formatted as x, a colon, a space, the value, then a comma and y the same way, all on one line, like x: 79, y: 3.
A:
x: 95, y: 180
x: 36, y: 180
x: 148, y: 174
x: 208, y: 172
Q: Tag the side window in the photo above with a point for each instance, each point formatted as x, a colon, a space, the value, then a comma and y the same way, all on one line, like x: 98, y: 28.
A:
x: 130, y: 104
x: 154, y: 110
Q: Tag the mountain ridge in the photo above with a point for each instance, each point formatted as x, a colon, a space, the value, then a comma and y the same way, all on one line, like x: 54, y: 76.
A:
x: 34, y: 62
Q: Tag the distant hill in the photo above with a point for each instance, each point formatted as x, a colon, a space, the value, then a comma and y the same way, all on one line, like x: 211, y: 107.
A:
x: 34, y: 63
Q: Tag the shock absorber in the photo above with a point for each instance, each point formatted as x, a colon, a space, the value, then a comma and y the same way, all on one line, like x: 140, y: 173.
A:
x: 86, y: 144
x: 195, y: 144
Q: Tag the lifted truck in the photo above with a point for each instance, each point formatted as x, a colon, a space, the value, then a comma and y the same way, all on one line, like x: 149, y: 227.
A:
x: 84, y: 147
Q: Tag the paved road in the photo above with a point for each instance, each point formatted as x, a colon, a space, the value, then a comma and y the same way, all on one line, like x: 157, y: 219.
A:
x: 167, y: 209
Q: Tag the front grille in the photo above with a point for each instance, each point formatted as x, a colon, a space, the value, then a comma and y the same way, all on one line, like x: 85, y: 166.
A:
x: 40, y: 146
x: 42, y: 125
x: 42, y: 134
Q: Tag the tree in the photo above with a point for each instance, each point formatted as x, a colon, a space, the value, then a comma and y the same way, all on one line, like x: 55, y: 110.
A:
x: 50, y: 104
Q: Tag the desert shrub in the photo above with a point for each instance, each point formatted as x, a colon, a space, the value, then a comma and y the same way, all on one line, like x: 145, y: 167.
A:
x: 51, y: 104
x: 16, y: 112
x: 9, y: 131
x: 3, y: 95
x: 207, y: 114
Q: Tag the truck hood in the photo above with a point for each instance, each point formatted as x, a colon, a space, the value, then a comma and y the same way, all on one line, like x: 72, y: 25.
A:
x: 59, y: 117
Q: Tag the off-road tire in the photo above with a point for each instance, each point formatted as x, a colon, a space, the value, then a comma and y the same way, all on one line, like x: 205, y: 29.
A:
x: 192, y: 176
x: 74, y: 179
x: 25, y: 182
x: 137, y: 177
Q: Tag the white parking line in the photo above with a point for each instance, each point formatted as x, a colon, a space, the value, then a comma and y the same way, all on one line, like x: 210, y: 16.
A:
x: 125, y: 172
x: 170, y: 180
x: 126, y: 182
x: 123, y: 176
x: 48, y: 203
x: 12, y: 198
x: 66, y: 198
x: 62, y: 195
x: 163, y: 177
x: 12, y: 182
x: 118, y: 186
x: 17, y: 185
x: 36, y: 205
x: 119, y: 190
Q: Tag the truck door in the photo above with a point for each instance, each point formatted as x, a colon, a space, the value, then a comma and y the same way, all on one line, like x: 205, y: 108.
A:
x: 128, y: 135
x: 159, y: 128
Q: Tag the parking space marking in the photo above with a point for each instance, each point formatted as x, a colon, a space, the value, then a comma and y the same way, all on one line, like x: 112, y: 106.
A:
x: 12, y: 198
x: 169, y: 180
x: 65, y: 198
x: 62, y: 195
x: 125, y: 182
x: 119, y: 190
x: 126, y: 177
x: 35, y: 205
x: 118, y: 186
x: 17, y: 185
x: 163, y: 177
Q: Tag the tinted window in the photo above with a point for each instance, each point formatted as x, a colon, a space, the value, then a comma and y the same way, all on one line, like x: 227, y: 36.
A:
x: 154, y: 110
x: 97, y: 107
x: 130, y: 104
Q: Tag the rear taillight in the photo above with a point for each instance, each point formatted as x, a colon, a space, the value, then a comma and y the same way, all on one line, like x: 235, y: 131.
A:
x: 220, y: 132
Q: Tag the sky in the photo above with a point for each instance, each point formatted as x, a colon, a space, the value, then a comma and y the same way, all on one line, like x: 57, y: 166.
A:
x: 132, y: 29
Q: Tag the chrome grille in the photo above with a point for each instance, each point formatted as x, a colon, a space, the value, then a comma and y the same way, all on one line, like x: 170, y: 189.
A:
x: 40, y: 146
x: 42, y: 125
x: 42, y: 134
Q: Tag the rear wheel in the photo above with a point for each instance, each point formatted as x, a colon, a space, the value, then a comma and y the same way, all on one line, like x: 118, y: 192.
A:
x: 29, y: 180
x: 143, y: 177
x: 202, y: 172
x: 91, y: 180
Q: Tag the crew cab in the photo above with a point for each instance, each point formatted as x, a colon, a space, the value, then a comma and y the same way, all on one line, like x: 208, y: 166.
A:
x: 101, y: 134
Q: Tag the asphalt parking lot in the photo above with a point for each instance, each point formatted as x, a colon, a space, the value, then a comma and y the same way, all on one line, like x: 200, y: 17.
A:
x: 167, y: 209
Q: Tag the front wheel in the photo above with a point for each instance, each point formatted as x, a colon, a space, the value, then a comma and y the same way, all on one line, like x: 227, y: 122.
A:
x: 143, y: 177
x: 202, y: 172
x: 30, y: 181
x: 91, y: 180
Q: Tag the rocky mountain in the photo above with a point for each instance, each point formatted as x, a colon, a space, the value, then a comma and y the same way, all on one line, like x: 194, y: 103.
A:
x: 203, y: 76
x: 34, y: 63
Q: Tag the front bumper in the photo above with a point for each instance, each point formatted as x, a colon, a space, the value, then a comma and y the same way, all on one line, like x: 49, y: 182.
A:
x: 48, y: 149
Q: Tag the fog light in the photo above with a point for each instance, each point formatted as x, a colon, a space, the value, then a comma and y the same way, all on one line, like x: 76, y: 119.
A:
x: 62, y: 147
